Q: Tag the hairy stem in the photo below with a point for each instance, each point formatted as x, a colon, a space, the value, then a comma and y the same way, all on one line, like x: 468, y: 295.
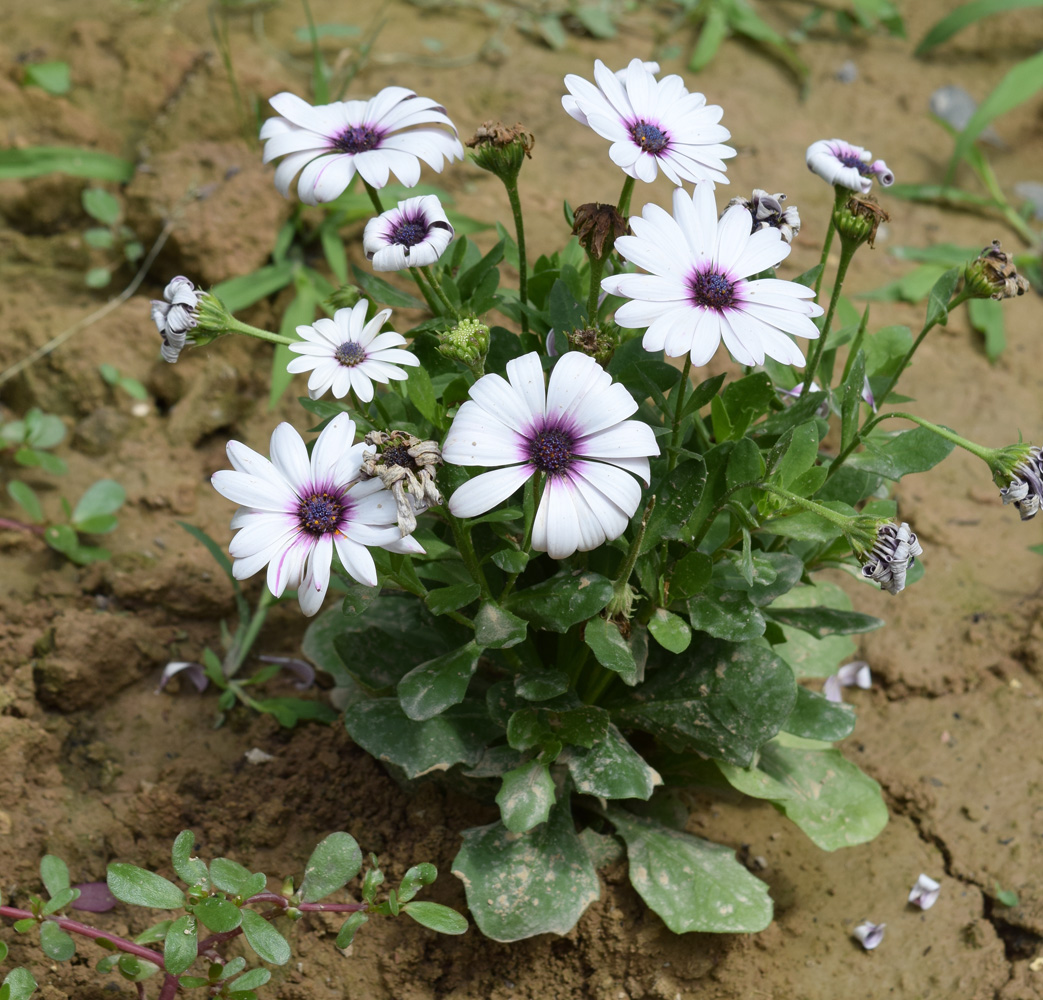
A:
x: 623, y: 205
x: 847, y: 251
x: 675, y: 436
x: 373, y: 197
x: 436, y: 287
x: 519, y: 236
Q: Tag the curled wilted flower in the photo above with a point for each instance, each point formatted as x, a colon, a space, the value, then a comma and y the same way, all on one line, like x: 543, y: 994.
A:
x: 845, y: 165
x: 854, y: 674
x: 767, y: 213
x: 1026, y: 481
x: 413, y: 234
x: 346, y: 353
x: 925, y: 893
x: 893, y: 552
x: 406, y: 466
x: 869, y: 934
x: 388, y: 134
x: 652, y: 124
x: 175, y: 316
x: 992, y: 274
x: 597, y: 226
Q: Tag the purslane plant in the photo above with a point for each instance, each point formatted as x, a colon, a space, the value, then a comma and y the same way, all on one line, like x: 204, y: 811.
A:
x: 219, y: 902
x: 569, y: 574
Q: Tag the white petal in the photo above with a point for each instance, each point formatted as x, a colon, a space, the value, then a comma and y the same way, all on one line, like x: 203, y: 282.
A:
x: 290, y: 456
x: 355, y: 558
x: 485, y: 491
x: 733, y: 233
x: 478, y: 438
x: 312, y: 589
x: 556, y: 529
x: 627, y: 439
x: 330, y: 447
x: 499, y: 398
x: 252, y: 491
x: 526, y: 376
x: 287, y: 567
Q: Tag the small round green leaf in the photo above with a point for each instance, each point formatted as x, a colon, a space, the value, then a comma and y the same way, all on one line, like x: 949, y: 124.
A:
x: 349, y: 928
x: 97, y: 277
x: 228, y: 875
x: 50, y: 76
x: 3, y: 951
x: 192, y: 871
x: 251, y: 980
x: 332, y: 864
x: 437, y: 917
x: 136, y: 969
x: 101, y: 205
x: 54, y: 873
x: 24, y: 496
x: 265, y: 939
x: 143, y: 888
x: 218, y: 914
x: 106, y: 496
x: 179, y: 948
x: 55, y: 942
x: 20, y: 983
x: 417, y: 876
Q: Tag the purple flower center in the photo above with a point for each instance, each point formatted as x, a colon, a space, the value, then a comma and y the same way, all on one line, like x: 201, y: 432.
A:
x: 409, y: 232
x: 321, y: 513
x: 350, y: 353
x: 398, y: 455
x: 649, y: 137
x: 551, y: 451
x: 712, y: 290
x: 850, y: 159
x: 357, y: 139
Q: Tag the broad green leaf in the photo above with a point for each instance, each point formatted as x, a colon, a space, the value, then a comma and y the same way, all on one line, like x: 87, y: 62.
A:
x: 349, y: 929
x: 808, y: 656
x: 333, y: 863
x: 51, y: 76
x: 693, y: 884
x: 180, y: 945
x: 801, y: 454
x: 217, y: 914
x: 774, y: 573
x: 821, y: 791
x: 712, y: 32
x: 140, y: 887
x: 414, y: 879
x: 137, y: 970
x: 941, y: 293
x: 581, y: 725
x: 1020, y: 83
x: 611, y: 768
x: 35, y: 161
x: 101, y: 205
x: 894, y: 455
x: 56, y: 944
x: 430, y: 688
x: 228, y: 875
x: 526, y: 796
x: 676, y: 500
x: 300, y: 312
x: 154, y: 934
x: 422, y: 395
x: 497, y: 628
x: 986, y: 316
x: 964, y: 16
x: 458, y: 735
x: 436, y: 917
x: 610, y: 649
x: 541, y: 685
x: 20, y: 984
x: 54, y: 873
x: 669, y: 630
x: 520, y: 885
x: 562, y: 601
x: 61, y: 899
x: 452, y: 598
x: 265, y: 939
x: 690, y: 574
x: 3, y: 953
x: 816, y: 718
x: 851, y: 400
x: 722, y: 700
x: 250, y: 980
x: 725, y: 614
x: 385, y: 292
x: 106, y: 496
x: 807, y: 525
x: 238, y: 293
x: 824, y: 621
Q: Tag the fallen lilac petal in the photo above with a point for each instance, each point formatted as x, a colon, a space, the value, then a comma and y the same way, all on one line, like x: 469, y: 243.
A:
x: 94, y: 897
x: 867, y: 393
x: 869, y: 934
x: 831, y: 689
x: 303, y: 670
x: 855, y: 674
x: 925, y: 893
x: 194, y: 671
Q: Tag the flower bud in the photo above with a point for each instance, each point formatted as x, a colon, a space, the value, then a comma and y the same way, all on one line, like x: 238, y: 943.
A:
x: 344, y: 297
x: 858, y: 219
x: 501, y: 150
x: 992, y: 275
x: 185, y: 310
x: 468, y: 342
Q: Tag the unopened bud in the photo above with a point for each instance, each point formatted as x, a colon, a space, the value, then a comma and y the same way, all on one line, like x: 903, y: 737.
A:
x: 468, y: 342
x: 858, y: 219
x: 344, y: 297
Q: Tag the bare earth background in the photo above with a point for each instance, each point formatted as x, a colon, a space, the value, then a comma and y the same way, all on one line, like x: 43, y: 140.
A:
x: 95, y: 767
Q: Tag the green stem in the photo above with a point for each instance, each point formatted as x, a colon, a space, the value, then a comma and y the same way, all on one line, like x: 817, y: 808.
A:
x: 597, y: 268
x: 425, y: 291
x: 437, y: 289
x: 466, y: 550
x: 241, y: 649
x: 384, y: 415
x: 623, y: 206
x: 839, y: 194
x: 840, y: 520
x: 373, y: 197
x: 717, y: 508
x: 675, y: 436
x: 533, y: 493
x: 237, y: 326
x: 519, y: 236
x: 856, y: 346
x: 619, y: 600
x: 847, y: 251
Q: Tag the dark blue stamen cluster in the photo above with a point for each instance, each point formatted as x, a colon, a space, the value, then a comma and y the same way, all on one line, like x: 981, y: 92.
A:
x: 712, y: 290
x: 320, y: 514
x: 649, y: 137
x: 854, y: 160
x: 398, y: 455
x: 551, y: 451
x: 409, y: 232
x: 350, y: 353
x: 357, y: 139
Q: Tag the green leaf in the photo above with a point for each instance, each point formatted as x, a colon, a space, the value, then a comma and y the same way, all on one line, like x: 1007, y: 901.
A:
x: 35, y: 161
x: 692, y: 884
x: 228, y: 875
x: 800, y: 455
x: 725, y: 614
x: 217, y: 914
x: 520, y: 885
x: 541, y: 685
x: 56, y: 944
x: 610, y: 649
x: 816, y: 718
x: 422, y: 395
x: 691, y: 574
x: 670, y: 631
x: 414, y: 879
x: 384, y: 292
x: 581, y: 725
x: 497, y: 628
x: 721, y: 700
x: 611, y: 768
x: 97, y: 277
x: 562, y: 601
x: 300, y: 312
x: 250, y: 980
x: 349, y: 929
x: 986, y: 316
x: 851, y: 400
x: 20, y: 984
x: 1008, y: 897
x: 3, y: 953
x: 829, y: 798
x: 50, y: 76
x: 825, y: 621
x: 333, y: 863
x: 60, y: 900
x: 265, y: 939
x: 942, y: 292
x: 895, y: 455
x: 808, y: 656
x: 452, y: 598
x: 54, y: 873
x: 676, y: 500
x: 964, y: 16
x: 238, y: 293
x: 437, y: 917
x: 458, y: 735
x: 139, y: 887
x: 192, y: 871
x: 1021, y: 83
x: 430, y: 688
x: 712, y: 32
x: 526, y: 796
x: 106, y: 496
x: 180, y: 945
x: 101, y: 205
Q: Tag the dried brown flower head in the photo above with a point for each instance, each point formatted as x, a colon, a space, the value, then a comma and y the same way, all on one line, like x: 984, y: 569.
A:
x: 494, y: 133
x: 407, y: 467
x: 596, y: 225
x: 869, y: 211
x: 997, y: 268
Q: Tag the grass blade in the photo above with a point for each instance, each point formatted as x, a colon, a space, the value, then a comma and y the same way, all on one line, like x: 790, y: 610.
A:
x: 39, y: 160
x: 964, y: 17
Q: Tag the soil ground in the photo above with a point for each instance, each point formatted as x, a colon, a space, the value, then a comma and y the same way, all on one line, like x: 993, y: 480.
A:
x: 95, y: 767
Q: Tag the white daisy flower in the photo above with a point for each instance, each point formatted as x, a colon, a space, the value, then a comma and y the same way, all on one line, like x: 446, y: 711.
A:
x: 175, y: 316
x: 652, y: 124
x: 295, y: 511
x: 414, y: 234
x: 699, y: 291
x: 330, y: 142
x: 845, y: 165
x: 347, y: 353
x: 575, y: 431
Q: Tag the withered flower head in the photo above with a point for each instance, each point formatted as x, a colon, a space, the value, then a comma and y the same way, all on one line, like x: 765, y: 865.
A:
x: 598, y: 226
x: 406, y: 466
x: 767, y: 212
x: 859, y: 219
x: 992, y: 274
x: 592, y: 341
x: 501, y: 150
